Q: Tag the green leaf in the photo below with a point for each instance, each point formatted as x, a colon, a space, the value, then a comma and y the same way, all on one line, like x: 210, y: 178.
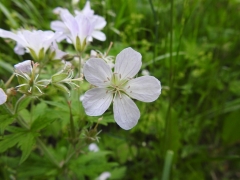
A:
x: 26, y: 144
x: 231, y: 133
x: 5, y: 120
x: 60, y: 105
x: 10, y: 141
x: 41, y: 122
x: 8, y: 15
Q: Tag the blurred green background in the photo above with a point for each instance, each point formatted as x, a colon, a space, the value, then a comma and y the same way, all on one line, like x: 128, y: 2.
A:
x: 193, y: 48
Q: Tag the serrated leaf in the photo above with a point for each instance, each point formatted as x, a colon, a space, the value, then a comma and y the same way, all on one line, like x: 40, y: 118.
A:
x: 5, y: 120
x: 39, y: 110
x: 26, y: 144
x: 41, y: 122
x: 10, y: 141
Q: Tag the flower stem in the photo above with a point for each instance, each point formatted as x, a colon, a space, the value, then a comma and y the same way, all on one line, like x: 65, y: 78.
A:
x: 9, y: 80
x: 18, y: 103
x: 72, y: 133
x: 79, y: 90
x: 47, y: 153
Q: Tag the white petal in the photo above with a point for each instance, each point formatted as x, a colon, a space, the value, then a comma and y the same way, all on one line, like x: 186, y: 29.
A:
x: 99, y: 22
x: 145, y: 88
x: 23, y: 67
x: 126, y: 112
x: 93, y: 147
x: 99, y: 35
x: 59, y: 26
x: 128, y: 63
x: 104, y: 176
x: 19, y: 49
x: 87, y: 11
x: 96, y: 101
x: 13, y: 36
x: 3, y: 97
x: 97, y: 72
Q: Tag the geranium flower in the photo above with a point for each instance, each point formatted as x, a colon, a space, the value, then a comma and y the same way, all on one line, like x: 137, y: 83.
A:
x: 85, y: 25
x: 35, y: 42
x: 97, y: 21
x: 119, y: 86
x: 3, y: 97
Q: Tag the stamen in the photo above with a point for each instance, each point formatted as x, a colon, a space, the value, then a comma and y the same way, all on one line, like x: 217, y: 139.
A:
x: 120, y: 95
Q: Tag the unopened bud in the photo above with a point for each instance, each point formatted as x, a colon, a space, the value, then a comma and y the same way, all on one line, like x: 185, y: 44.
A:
x: 24, y: 67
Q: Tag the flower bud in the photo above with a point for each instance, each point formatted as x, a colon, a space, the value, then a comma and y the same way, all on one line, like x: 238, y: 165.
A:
x: 24, y: 67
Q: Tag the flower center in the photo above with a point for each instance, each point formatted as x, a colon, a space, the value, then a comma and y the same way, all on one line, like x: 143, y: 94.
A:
x: 116, y: 84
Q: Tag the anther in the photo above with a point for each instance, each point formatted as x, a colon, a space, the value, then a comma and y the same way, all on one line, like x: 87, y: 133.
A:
x: 128, y: 87
x: 108, y: 78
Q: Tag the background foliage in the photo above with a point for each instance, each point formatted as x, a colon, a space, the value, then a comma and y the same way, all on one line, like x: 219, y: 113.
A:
x: 196, y: 117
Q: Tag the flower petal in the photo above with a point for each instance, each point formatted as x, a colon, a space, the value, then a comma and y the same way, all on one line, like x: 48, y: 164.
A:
x: 13, y: 36
x: 97, y: 72
x: 126, y: 112
x: 145, y: 88
x: 96, y: 101
x: 3, y: 97
x: 128, y: 63
x: 99, y: 35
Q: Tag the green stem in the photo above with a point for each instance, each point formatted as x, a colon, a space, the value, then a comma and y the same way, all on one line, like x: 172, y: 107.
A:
x: 79, y: 90
x: 18, y: 103
x: 171, y: 74
x: 9, y: 80
x: 47, y: 153
x: 72, y: 133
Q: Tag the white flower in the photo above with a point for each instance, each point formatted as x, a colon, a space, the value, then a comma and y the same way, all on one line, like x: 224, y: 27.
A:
x: 119, y: 86
x: 97, y: 21
x: 85, y: 25
x: 3, y: 97
x: 78, y: 29
x: 35, y: 42
x: 23, y: 67
x: 104, y: 176
x: 93, y: 147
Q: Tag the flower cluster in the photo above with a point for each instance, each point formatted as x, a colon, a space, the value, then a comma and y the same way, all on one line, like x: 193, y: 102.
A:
x: 118, y: 86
